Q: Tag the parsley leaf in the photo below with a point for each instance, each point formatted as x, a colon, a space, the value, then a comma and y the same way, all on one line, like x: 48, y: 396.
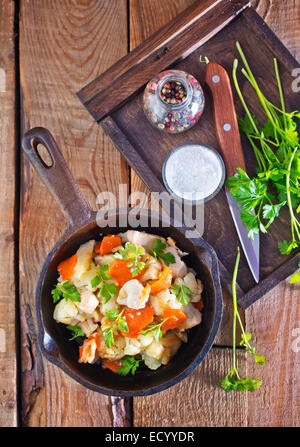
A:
x: 232, y: 380
x: 158, y: 252
x: 132, y: 253
x: 119, y: 322
x: 77, y: 332
x: 106, y: 289
x: 155, y: 329
x: 129, y: 364
x: 65, y: 290
x: 182, y: 293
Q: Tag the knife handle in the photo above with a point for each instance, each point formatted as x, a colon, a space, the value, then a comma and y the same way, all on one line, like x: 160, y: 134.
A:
x: 226, y: 124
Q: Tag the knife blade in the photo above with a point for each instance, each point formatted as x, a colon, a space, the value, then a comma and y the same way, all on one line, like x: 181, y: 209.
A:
x: 218, y: 82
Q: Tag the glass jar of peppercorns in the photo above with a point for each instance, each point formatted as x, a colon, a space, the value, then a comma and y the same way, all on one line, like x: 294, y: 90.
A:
x: 173, y: 101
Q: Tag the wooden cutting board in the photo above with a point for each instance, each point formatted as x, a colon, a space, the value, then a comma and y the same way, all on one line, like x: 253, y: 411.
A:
x: 114, y: 99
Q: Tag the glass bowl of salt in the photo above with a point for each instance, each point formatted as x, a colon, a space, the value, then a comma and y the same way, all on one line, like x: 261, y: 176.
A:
x: 193, y: 172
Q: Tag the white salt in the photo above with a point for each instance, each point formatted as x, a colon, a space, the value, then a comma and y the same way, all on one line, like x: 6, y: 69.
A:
x: 193, y: 172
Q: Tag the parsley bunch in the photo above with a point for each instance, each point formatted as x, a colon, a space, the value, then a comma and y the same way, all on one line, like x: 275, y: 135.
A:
x: 119, y: 323
x: 232, y: 380
x: 158, y: 252
x: 106, y: 290
x: 65, y: 290
x: 277, y: 150
x: 132, y: 253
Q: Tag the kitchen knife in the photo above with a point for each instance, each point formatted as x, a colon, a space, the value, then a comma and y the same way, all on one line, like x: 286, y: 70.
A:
x: 226, y: 124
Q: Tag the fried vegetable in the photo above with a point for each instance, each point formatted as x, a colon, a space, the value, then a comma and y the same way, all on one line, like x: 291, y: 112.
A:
x: 107, y: 244
x: 120, y: 270
x: 137, y: 320
x: 66, y: 267
x: 164, y: 281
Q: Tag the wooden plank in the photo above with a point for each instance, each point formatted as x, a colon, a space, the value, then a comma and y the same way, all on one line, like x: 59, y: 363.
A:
x: 274, y: 320
x: 165, y: 409
x: 63, y: 46
x: 197, y: 401
x: 275, y: 323
x: 180, y: 38
x: 8, y: 377
x: 145, y: 19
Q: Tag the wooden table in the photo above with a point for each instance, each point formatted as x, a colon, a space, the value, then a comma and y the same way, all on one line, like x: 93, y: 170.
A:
x: 48, y: 50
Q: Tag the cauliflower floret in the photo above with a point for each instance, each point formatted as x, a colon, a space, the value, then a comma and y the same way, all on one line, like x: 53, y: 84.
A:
x: 171, y: 343
x: 88, y: 302
x: 84, y: 256
x: 195, y: 285
x: 163, y: 300
x: 88, y: 351
x: 150, y: 362
x: 133, y: 294
x: 65, y: 312
x: 104, y: 260
x: 132, y: 347
x: 110, y: 305
x: 179, y: 268
x: 172, y: 243
x: 141, y: 238
x: 84, y: 282
x: 155, y: 350
x: 152, y: 268
x: 116, y: 351
x: 88, y: 327
x: 193, y: 317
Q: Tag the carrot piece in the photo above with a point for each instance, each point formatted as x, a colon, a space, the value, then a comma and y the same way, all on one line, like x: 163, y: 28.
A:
x: 164, y: 281
x: 199, y: 305
x: 87, y: 351
x: 66, y: 267
x: 112, y: 365
x: 119, y: 270
x: 107, y: 244
x: 175, y: 318
x: 137, y: 320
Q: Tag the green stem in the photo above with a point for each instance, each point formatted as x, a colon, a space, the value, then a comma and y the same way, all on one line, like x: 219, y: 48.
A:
x: 280, y: 90
x: 289, y: 200
x: 235, y: 311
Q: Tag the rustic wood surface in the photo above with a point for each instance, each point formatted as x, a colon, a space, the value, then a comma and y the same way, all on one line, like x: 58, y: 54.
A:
x: 63, y: 45
x: 8, y: 351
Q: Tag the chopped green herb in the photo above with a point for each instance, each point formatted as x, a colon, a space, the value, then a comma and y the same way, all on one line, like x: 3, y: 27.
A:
x: 129, y: 364
x: 77, y: 332
x: 132, y: 253
x: 158, y: 252
x: 119, y: 323
x: 65, y: 290
x: 232, y: 380
x: 107, y: 290
x: 155, y: 329
x: 182, y: 293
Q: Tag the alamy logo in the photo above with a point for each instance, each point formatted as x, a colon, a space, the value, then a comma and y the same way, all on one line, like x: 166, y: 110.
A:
x: 296, y: 81
x: 296, y: 343
x: 2, y: 340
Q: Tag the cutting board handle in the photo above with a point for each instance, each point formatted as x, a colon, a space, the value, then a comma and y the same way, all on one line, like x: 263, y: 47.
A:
x: 226, y: 124
x: 56, y: 175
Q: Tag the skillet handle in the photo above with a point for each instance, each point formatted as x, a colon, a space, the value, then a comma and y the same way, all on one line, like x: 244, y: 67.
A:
x: 57, y: 176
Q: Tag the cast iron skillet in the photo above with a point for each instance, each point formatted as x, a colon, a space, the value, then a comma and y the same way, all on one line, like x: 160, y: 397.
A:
x: 82, y: 226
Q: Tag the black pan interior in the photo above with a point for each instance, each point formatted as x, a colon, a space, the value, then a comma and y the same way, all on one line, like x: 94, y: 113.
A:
x: 144, y: 381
